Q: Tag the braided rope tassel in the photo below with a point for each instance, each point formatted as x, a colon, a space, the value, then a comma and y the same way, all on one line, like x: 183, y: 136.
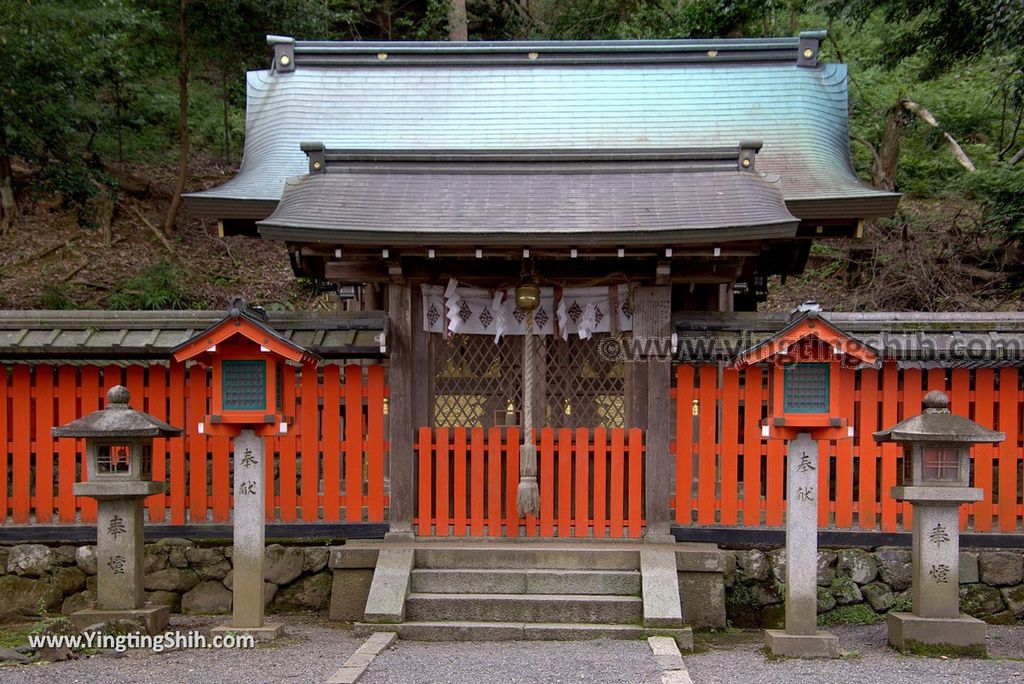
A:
x: 528, y: 493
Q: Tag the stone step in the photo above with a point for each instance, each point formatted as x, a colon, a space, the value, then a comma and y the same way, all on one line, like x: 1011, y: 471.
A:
x: 524, y: 608
x: 526, y: 581
x: 477, y: 557
x: 520, y: 631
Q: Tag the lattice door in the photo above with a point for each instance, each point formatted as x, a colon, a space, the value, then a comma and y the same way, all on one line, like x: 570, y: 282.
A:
x: 476, y: 382
x: 583, y: 388
x: 479, y: 383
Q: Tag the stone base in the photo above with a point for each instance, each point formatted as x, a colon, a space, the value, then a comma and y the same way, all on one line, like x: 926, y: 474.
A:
x: 153, y: 618
x: 267, y: 632
x: 962, y: 635
x: 659, y: 539
x: 819, y: 645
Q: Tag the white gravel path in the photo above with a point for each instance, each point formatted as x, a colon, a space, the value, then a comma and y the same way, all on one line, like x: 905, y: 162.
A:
x: 316, y: 648
x: 737, y: 657
x: 311, y: 651
x: 554, y: 662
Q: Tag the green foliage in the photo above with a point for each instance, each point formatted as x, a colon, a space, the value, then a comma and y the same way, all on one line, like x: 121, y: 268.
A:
x: 1000, y: 191
x: 856, y: 614
x: 155, y: 288
x: 55, y: 297
x: 610, y: 19
x: 60, y: 57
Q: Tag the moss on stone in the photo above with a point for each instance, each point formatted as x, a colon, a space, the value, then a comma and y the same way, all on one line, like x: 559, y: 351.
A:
x: 920, y: 648
x: 857, y: 614
x: 902, y: 602
x: 742, y: 606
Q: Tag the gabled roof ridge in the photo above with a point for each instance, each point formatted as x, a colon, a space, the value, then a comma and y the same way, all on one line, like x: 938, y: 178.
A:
x: 799, y: 50
x: 706, y: 158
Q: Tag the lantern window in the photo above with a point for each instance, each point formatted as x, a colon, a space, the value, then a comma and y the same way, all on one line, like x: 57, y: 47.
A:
x: 805, y: 388
x: 113, y: 459
x: 243, y: 385
x: 941, y: 464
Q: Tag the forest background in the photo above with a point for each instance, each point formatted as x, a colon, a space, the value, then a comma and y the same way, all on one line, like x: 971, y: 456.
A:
x: 110, y: 108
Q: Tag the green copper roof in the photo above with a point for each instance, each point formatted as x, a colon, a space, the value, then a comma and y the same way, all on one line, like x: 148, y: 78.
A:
x: 602, y: 100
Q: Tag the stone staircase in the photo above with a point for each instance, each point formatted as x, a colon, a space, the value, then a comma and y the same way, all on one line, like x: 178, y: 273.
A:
x: 500, y: 593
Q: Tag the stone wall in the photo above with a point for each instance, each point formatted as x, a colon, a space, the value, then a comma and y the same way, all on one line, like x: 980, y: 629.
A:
x: 860, y: 586
x: 37, y: 579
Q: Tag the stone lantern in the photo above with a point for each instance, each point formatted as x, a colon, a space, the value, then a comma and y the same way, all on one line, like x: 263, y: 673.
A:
x: 118, y: 454
x: 806, y: 358
x: 937, y: 445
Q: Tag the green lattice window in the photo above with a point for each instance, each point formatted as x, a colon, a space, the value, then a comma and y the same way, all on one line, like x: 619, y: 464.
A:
x: 244, y: 385
x: 805, y: 388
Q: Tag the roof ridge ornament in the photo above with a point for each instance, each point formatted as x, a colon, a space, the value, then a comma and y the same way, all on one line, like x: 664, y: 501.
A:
x: 748, y: 153
x: 809, y: 48
x: 284, y: 53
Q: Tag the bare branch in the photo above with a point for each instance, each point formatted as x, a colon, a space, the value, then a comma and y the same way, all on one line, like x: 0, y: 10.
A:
x: 871, y: 149
x: 954, y: 147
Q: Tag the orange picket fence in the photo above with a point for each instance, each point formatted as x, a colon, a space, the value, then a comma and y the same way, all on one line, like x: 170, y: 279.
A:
x: 728, y: 474
x: 590, y: 480
x: 328, y: 467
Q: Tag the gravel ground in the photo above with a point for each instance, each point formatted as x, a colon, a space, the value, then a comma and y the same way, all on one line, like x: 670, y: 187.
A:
x: 314, y: 648
x: 606, y: 661
x: 310, y: 652
x: 736, y: 656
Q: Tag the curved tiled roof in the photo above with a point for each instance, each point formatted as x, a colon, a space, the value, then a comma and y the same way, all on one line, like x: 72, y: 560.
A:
x: 553, y: 199
x: 799, y: 112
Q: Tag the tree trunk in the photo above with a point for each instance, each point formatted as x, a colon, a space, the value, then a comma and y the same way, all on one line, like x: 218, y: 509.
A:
x: 889, y: 153
x: 172, y: 211
x: 119, y: 116
x: 458, y: 28
x: 224, y: 75
x: 8, y: 207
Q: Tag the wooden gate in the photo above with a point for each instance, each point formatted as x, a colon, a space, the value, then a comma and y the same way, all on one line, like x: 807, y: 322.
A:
x: 591, y: 483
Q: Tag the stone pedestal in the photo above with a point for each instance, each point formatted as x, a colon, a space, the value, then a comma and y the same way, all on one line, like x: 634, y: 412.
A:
x: 249, y: 537
x: 936, y: 553
x: 935, y: 624
x: 119, y: 568
x: 960, y: 635
x: 801, y: 638
x: 119, y: 554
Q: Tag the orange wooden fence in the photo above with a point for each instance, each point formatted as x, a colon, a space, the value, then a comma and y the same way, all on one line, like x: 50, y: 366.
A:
x: 728, y: 474
x: 591, y: 483
x: 329, y: 467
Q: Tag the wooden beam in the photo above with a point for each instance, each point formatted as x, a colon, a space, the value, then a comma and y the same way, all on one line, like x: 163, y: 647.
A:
x: 353, y: 271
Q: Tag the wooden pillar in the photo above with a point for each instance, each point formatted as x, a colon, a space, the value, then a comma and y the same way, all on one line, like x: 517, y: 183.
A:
x: 400, y: 406
x: 652, y: 320
x: 635, y: 376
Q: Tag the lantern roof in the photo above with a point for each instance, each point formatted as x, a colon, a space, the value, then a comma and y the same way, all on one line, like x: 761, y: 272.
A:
x: 937, y: 424
x: 250, y: 323
x: 117, y: 420
x: 808, y: 323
